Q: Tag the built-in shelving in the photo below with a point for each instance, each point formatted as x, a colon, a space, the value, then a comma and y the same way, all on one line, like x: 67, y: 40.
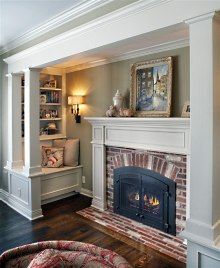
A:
x: 52, y: 111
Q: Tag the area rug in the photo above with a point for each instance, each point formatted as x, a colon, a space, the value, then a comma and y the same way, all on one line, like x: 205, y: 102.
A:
x: 164, y: 243
x: 57, y: 254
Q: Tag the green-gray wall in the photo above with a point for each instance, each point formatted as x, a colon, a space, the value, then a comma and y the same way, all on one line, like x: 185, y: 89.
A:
x: 99, y: 84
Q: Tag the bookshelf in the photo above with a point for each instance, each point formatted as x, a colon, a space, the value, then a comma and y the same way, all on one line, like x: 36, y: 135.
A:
x: 52, y: 92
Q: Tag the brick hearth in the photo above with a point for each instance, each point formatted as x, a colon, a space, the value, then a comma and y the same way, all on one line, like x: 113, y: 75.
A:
x: 158, y: 240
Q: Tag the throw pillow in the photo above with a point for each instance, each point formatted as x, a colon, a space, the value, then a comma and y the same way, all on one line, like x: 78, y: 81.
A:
x: 71, y: 151
x: 52, y: 157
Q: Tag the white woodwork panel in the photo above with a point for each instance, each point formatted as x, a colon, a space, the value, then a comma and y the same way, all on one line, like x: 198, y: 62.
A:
x: 60, y: 182
x: 99, y: 184
x: 98, y: 134
x: 19, y: 188
x: 147, y: 139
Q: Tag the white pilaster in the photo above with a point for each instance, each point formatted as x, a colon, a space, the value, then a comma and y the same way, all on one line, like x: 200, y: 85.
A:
x: 14, y: 122
x: 31, y: 115
x: 99, y: 168
x: 203, y: 225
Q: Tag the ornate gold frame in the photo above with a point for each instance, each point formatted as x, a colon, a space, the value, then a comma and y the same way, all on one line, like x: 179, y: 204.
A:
x: 133, y: 92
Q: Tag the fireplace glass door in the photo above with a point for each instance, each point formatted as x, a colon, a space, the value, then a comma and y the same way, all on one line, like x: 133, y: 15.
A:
x: 145, y: 196
x: 130, y: 195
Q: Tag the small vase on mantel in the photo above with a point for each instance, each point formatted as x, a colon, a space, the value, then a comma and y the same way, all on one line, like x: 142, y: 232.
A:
x: 118, y: 100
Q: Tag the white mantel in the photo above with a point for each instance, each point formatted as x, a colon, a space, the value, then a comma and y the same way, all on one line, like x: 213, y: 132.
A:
x: 170, y: 135
x: 155, y: 134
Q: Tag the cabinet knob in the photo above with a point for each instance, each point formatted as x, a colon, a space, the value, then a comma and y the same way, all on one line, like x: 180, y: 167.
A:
x: 142, y: 216
x: 137, y: 214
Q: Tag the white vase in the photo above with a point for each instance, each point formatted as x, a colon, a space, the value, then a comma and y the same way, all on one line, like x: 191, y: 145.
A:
x: 118, y: 100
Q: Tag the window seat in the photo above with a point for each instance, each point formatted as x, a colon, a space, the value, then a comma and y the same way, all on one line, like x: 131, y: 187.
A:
x: 58, y: 183
x: 46, y: 171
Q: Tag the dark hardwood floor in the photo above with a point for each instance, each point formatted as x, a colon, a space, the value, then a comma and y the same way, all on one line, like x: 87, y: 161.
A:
x: 60, y: 222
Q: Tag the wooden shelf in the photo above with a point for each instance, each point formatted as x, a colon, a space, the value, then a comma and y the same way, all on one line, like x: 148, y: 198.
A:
x: 50, y: 89
x: 51, y: 137
x: 50, y: 119
x: 51, y: 104
x: 47, y: 119
x: 48, y: 104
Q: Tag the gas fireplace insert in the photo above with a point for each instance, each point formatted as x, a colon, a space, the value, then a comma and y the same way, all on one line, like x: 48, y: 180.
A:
x: 145, y: 196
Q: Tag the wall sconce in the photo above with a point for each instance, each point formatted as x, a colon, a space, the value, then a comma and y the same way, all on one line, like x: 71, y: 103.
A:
x: 75, y: 101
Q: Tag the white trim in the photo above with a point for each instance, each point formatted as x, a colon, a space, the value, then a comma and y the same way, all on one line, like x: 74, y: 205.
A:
x: 131, y: 54
x: 57, y: 198
x: 86, y: 192
x: 126, y: 11
x: 77, y: 10
x: 172, y: 122
x: 201, y: 18
x: 12, y: 203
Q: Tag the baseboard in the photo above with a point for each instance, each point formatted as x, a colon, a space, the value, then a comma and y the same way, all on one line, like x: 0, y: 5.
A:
x: 86, y: 192
x: 12, y: 203
x: 56, y: 198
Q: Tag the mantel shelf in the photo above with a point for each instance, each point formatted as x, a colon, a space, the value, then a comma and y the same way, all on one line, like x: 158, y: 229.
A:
x: 141, y: 121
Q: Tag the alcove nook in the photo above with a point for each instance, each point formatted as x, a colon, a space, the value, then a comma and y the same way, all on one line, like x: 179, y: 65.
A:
x: 96, y: 69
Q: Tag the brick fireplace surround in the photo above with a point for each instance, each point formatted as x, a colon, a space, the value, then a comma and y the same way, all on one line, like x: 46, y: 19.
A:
x: 158, y: 144
x: 172, y: 166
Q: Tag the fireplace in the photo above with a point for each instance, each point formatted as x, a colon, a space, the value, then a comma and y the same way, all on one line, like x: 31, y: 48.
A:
x: 145, y: 196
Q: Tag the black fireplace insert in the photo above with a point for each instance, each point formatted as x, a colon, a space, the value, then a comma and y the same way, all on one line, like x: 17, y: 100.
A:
x: 145, y: 196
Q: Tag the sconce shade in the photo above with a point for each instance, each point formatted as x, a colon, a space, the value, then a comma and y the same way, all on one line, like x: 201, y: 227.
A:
x: 76, y: 99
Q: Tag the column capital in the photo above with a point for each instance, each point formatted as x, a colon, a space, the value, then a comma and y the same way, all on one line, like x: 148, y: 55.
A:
x: 13, y: 74
x: 32, y: 69
x: 206, y: 16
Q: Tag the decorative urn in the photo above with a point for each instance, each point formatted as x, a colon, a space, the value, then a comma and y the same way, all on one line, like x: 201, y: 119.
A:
x: 118, y: 100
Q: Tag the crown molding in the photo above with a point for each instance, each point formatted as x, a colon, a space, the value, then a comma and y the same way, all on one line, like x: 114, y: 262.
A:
x: 202, y: 17
x: 79, y: 9
x: 132, y: 54
x: 117, y: 15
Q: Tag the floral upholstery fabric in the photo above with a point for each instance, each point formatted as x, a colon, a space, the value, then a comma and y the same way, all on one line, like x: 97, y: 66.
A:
x: 56, y: 254
x: 47, y: 258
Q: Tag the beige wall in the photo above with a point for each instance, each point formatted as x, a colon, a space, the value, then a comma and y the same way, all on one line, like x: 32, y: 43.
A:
x: 99, y: 85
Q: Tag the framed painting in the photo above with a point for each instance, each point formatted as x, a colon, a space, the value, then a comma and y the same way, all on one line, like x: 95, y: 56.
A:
x: 151, y: 88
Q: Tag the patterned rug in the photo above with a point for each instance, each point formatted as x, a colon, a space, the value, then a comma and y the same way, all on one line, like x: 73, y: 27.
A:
x: 153, y: 238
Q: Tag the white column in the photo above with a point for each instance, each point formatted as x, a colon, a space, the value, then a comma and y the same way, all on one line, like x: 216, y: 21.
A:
x: 31, y: 134
x: 14, y: 122
x: 203, y: 225
x: 99, y: 167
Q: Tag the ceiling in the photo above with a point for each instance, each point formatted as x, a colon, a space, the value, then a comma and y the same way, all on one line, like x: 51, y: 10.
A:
x: 20, y: 16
